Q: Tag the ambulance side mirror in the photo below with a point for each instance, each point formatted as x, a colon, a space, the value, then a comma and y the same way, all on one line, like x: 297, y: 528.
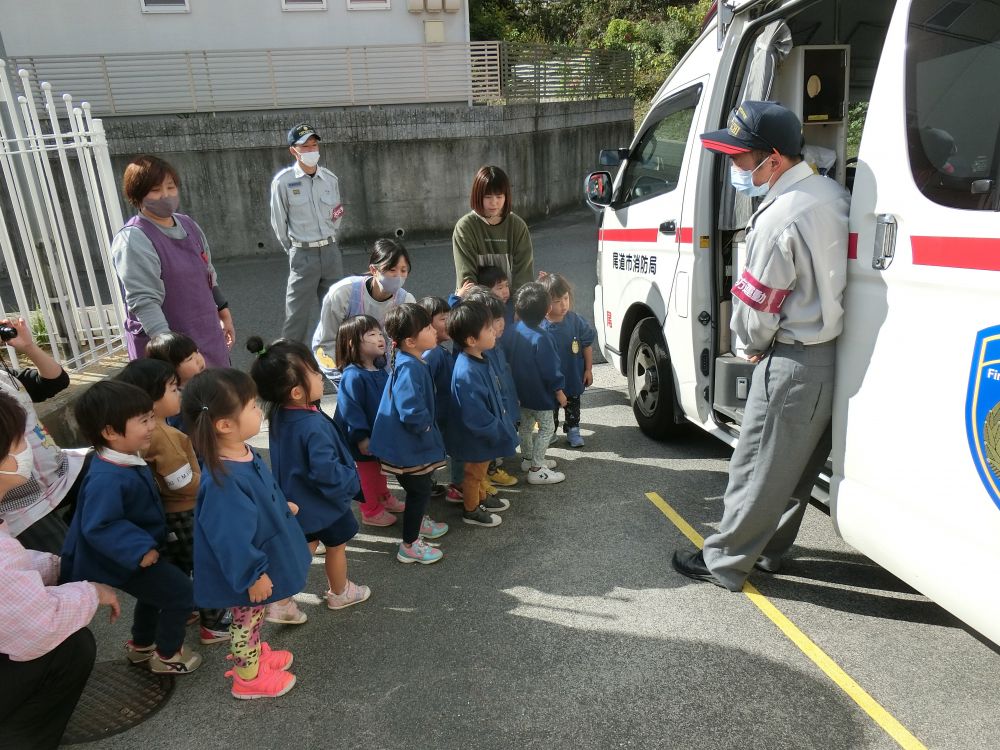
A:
x: 612, y: 157
x: 598, y: 189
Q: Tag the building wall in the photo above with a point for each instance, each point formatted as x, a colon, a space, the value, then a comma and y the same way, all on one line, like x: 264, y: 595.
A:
x: 72, y: 27
x: 404, y: 167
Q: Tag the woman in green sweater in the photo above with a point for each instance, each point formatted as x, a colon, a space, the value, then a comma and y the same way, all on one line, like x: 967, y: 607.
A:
x: 490, y: 234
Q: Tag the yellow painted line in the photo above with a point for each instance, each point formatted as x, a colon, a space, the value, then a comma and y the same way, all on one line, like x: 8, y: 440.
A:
x: 819, y: 657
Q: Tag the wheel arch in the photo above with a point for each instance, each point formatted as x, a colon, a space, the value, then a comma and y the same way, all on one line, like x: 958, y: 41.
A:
x: 650, y: 305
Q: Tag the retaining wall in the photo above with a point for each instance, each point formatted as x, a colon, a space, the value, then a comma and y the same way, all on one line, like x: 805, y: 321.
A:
x: 400, y: 167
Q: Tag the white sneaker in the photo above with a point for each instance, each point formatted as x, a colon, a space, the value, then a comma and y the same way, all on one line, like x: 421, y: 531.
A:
x: 545, y: 476
x: 550, y: 463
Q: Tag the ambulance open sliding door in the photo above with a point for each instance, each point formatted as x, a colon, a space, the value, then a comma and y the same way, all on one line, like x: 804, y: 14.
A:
x: 917, y: 420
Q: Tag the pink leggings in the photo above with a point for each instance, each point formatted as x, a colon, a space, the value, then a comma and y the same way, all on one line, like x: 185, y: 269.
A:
x: 373, y: 487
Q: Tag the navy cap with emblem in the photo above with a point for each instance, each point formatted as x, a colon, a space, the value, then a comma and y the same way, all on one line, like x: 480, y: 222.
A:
x: 757, y: 126
x: 301, y: 133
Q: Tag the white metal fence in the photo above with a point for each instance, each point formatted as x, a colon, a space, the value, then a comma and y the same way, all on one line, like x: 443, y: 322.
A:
x: 228, y: 80
x: 58, y: 212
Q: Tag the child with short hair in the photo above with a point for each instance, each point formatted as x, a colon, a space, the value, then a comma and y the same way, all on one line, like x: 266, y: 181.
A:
x: 309, y: 458
x: 177, y: 474
x: 441, y: 360
x: 360, y: 349
x: 180, y: 351
x: 574, y: 340
x: 405, y: 436
x: 539, y: 381
x: 495, y: 475
x: 481, y: 429
x: 249, y: 550
x: 119, y: 527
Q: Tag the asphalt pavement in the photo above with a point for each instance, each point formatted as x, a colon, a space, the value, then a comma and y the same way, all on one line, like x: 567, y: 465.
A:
x: 565, y: 627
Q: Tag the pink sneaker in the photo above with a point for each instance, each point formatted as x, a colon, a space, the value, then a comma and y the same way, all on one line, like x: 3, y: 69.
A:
x: 352, y: 594
x: 393, y: 504
x: 285, y: 612
x: 431, y: 529
x: 454, y: 494
x: 267, y: 684
x: 382, y: 518
x: 275, y: 661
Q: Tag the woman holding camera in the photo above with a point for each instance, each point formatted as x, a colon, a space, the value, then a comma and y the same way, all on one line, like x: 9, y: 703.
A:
x: 50, y: 473
x: 163, y: 262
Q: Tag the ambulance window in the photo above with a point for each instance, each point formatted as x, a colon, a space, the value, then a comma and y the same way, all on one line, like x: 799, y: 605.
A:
x: 654, y: 166
x: 953, y: 114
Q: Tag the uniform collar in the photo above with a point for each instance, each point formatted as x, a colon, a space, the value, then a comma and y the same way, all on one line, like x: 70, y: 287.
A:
x: 784, y: 183
x: 120, y: 459
x: 299, y: 172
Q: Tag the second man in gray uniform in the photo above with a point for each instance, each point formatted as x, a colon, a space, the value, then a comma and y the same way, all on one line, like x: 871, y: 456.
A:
x: 787, y: 309
x: 306, y: 211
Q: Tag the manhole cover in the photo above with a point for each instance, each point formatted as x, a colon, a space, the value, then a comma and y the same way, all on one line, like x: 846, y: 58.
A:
x: 117, y: 697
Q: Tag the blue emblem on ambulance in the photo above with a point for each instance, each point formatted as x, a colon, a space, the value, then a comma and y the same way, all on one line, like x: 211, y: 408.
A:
x: 982, y: 410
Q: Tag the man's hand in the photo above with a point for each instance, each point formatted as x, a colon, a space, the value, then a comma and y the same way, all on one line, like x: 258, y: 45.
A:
x: 293, y: 507
x: 260, y: 590
x: 149, y: 558
x: 588, y: 378
x: 106, y: 597
x: 363, y: 446
x: 561, y: 398
x: 754, y: 359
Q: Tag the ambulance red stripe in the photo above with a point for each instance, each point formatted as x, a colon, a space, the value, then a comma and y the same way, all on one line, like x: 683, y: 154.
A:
x: 684, y: 234
x: 975, y: 253
x: 852, y: 246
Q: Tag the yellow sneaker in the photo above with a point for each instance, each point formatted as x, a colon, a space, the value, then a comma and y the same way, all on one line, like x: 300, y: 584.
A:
x: 501, y: 478
x: 489, y: 488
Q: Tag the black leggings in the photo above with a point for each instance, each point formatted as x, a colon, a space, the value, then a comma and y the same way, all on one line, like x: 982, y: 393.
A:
x: 418, y: 494
x: 37, y: 697
x: 572, y: 410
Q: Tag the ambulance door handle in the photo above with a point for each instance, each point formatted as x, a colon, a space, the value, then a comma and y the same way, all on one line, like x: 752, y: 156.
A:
x: 668, y: 227
x: 885, y: 241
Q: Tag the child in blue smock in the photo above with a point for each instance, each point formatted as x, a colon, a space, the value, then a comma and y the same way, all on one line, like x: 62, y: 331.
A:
x: 495, y: 474
x: 249, y: 550
x: 574, y: 340
x: 441, y: 360
x: 309, y: 458
x: 480, y: 429
x: 405, y: 436
x: 539, y: 381
x: 119, y: 528
x: 360, y: 358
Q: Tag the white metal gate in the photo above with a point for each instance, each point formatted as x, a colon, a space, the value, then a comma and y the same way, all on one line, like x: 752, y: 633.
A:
x: 58, y: 212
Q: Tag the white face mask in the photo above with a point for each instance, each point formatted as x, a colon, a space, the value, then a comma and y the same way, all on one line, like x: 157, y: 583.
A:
x: 389, y: 284
x: 25, y: 462
x: 309, y: 158
x: 742, y: 180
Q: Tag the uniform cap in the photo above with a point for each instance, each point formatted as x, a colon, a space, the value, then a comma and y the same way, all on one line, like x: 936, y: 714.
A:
x: 757, y: 126
x: 301, y: 133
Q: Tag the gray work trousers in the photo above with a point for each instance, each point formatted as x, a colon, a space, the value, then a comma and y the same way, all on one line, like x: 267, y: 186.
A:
x: 311, y: 271
x: 784, y: 443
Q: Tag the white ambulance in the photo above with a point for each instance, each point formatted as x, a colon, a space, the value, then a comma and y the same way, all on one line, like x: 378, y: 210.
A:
x: 915, y: 482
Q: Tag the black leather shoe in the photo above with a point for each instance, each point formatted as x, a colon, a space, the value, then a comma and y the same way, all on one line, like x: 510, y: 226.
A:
x: 768, y: 564
x: 692, y: 565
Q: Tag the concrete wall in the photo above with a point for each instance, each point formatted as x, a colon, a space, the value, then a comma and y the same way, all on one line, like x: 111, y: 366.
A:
x: 407, y: 167
x: 69, y: 27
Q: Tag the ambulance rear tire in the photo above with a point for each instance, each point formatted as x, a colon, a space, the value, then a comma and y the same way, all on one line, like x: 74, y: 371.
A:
x: 651, y: 381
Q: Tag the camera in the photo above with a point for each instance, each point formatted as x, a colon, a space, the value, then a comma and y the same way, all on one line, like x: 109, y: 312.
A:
x: 7, y: 333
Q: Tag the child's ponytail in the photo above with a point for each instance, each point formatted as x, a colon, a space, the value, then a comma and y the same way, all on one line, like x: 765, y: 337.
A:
x: 277, y: 369
x: 218, y: 393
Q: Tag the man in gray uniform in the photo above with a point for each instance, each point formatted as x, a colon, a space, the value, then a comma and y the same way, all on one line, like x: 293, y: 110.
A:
x: 306, y: 212
x: 787, y: 310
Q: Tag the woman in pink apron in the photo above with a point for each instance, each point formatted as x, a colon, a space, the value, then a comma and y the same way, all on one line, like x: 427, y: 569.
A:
x: 165, y: 269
